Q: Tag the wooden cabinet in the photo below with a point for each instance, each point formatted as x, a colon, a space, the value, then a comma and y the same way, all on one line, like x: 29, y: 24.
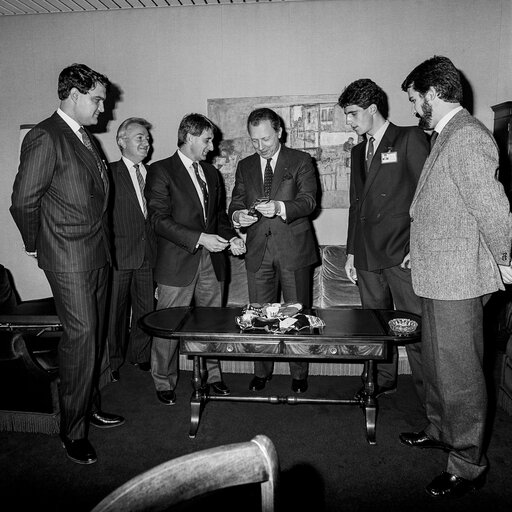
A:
x: 503, y: 134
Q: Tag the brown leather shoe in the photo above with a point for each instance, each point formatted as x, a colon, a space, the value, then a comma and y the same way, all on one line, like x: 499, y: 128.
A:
x: 422, y: 440
x: 447, y: 485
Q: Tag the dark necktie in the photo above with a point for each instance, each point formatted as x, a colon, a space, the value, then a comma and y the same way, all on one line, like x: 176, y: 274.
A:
x: 99, y: 164
x: 267, y: 181
x: 433, y: 138
x: 142, y: 184
x: 369, y: 154
x: 204, y: 190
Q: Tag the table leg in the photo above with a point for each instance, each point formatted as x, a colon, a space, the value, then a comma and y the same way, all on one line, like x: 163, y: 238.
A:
x: 369, y: 402
x: 199, y: 395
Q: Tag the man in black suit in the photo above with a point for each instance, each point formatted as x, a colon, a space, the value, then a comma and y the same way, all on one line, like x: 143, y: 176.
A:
x: 59, y: 203
x: 134, y: 249
x: 280, y: 242
x: 185, y: 203
x: 385, y: 169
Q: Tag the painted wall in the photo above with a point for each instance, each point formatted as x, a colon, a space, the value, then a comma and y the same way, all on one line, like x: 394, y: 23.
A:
x: 168, y: 61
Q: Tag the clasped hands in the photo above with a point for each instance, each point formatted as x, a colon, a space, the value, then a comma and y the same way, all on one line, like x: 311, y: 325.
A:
x: 267, y: 209
x: 216, y: 243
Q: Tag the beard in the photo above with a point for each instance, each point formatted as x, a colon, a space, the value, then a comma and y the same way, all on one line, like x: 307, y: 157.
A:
x: 426, y: 119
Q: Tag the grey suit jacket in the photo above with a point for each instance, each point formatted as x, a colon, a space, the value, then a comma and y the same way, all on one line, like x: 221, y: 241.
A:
x: 59, y: 202
x: 460, y: 218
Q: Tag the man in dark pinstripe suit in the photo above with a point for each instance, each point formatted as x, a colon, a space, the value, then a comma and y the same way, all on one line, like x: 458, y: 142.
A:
x: 59, y: 203
x: 134, y: 249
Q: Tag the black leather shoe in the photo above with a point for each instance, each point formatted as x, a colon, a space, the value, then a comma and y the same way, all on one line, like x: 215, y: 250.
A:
x: 381, y: 391
x: 258, y: 383
x: 145, y: 367
x: 220, y: 388
x: 115, y: 375
x: 167, y: 397
x: 422, y: 440
x: 447, y: 485
x: 102, y: 419
x: 79, y: 451
x: 299, y: 385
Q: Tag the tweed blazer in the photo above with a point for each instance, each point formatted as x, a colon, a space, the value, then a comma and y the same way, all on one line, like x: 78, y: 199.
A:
x: 59, y: 202
x: 460, y: 215
x: 378, y: 222
x: 177, y: 217
x: 294, y: 183
x: 134, y: 238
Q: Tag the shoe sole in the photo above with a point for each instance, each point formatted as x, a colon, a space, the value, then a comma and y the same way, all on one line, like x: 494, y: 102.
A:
x: 444, y: 448
x: 108, y: 426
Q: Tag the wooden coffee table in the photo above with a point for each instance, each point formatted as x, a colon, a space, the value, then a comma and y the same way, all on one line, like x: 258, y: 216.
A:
x: 358, y: 335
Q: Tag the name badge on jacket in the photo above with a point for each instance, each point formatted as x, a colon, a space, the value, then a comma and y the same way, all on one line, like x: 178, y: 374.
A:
x: 390, y: 157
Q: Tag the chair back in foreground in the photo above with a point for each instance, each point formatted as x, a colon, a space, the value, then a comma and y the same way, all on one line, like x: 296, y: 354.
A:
x: 178, y: 480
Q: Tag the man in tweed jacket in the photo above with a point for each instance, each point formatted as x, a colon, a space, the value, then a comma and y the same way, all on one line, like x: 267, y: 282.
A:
x: 460, y: 254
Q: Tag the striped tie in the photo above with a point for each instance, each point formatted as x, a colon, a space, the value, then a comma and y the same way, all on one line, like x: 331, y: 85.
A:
x: 204, y: 190
x: 99, y: 164
x: 142, y: 184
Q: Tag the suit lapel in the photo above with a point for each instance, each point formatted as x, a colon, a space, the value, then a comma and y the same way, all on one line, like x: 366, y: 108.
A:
x: 125, y: 181
x: 83, y: 154
x: 441, y: 140
x: 387, y: 142
x: 187, y: 185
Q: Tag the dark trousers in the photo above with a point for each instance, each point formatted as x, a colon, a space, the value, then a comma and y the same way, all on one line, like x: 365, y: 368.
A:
x: 131, y: 290
x: 80, y: 301
x: 455, y: 388
x: 265, y: 285
x: 391, y: 288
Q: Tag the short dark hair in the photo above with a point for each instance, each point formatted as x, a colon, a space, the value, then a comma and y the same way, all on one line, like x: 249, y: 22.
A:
x: 81, y: 77
x: 264, y: 114
x: 440, y: 73
x: 123, y: 127
x: 363, y: 93
x: 195, y: 124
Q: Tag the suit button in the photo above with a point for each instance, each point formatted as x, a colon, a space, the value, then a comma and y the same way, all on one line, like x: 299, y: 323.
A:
x: 363, y: 219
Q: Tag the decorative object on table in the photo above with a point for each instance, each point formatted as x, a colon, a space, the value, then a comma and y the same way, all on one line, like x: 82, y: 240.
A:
x: 277, y: 318
x: 403, y: 326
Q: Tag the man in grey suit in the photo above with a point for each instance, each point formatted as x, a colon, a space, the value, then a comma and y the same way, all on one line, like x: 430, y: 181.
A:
x: 185, y: 198
x: 59, y: 203
x: 134, y: 250
x: 385, y: 168
x: 280, y: 242
x: 460, y: 255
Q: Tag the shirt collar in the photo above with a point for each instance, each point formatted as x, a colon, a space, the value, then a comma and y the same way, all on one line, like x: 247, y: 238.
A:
x: 444, y: 120
x: 263, y: 161
x: 187, y: 162
x: 377, y: 136
x: 129, y: 163
x: 68, y: 120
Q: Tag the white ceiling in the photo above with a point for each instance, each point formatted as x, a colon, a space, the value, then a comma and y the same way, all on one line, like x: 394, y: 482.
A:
x: 21, y: 7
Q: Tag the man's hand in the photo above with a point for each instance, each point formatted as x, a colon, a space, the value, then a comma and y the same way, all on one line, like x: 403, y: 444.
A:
x: 213, y: 243
x: 406, y: 262
x: 268, y: 209
x: 350, y: 270
x: 506, y: 273
x: 244, y: 220
x: 237, y: 246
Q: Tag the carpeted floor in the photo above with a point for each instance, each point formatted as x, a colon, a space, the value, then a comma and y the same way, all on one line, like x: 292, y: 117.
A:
x: 326, y: 463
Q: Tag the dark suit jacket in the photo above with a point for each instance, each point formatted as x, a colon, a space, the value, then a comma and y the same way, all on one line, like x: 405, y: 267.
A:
x: 134, y: 238
x: 177, y: 217
x: 58, y: 202
x: 295, y: 184
x: 378, y: 226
